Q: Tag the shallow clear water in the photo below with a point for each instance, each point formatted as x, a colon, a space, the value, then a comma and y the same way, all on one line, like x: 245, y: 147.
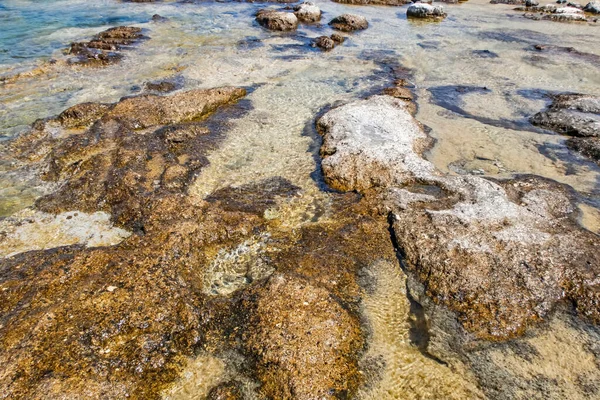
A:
x: 35, y: 29
x: 215, y: 44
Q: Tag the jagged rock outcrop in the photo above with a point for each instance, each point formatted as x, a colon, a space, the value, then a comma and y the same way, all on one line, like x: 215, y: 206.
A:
x: 499, y: 254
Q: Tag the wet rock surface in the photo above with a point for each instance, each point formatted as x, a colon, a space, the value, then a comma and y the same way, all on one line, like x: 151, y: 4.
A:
x: 296, y: 330
x: 349, y: 23
x: 426, y: 11
x: 106, y: 47
x: 559, y: 14
x: 592, y: 7
x: 575, y: 115
x: 123, y: 320
x: 328, y: 42
x: 277, y: 20
x: 111, y: 322
x: 307, y: 12
x: 499, y: 254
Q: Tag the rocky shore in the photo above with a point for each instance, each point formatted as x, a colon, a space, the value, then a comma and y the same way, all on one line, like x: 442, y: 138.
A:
x: 124, y: 279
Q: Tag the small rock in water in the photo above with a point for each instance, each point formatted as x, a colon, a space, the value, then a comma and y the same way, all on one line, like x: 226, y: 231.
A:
x: 532, y: 3
x: 426, y: 11
x: 484, y: 54
x: 307, y: 12
x: 324, y: 42
x: 349, y: 23
x: 159, y: 18
x: 337, y: 38
x: 277, y: 20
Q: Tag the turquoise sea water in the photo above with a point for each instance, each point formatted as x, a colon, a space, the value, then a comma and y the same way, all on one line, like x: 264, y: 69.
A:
x: 31, y: 29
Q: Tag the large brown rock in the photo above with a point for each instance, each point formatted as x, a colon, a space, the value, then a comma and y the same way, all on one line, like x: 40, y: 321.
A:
x: 118, y: 321
x: 499, y: 254
x: 303, y: 340
x: 121, y: 321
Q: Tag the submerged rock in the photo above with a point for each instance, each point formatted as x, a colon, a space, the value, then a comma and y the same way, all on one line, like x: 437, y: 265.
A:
x: 277, y: 20
x: 349, y: 23
x: 499, y: 254
x: 426, y: 11
x: 588, y: 147
x: 114, y: 321
x: 160, y: 87
x: 122, y: 320
x: 308, y: 12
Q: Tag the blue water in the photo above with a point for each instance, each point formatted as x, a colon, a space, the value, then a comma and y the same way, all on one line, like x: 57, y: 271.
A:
x: 30, y: 29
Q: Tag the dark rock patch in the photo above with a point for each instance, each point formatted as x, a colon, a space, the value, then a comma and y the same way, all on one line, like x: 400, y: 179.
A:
x: 484, y: 54
x: 349, y: 23
x: 106, y: 47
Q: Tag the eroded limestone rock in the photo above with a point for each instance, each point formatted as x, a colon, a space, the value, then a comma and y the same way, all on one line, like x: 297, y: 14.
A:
x: 426, y: 11
x: 308, y: 12
x: 277, y: 20
x: 499, y: 254
x: 349, y: 23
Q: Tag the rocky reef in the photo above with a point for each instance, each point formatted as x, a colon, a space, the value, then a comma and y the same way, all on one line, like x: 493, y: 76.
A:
x: 122, y: 319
